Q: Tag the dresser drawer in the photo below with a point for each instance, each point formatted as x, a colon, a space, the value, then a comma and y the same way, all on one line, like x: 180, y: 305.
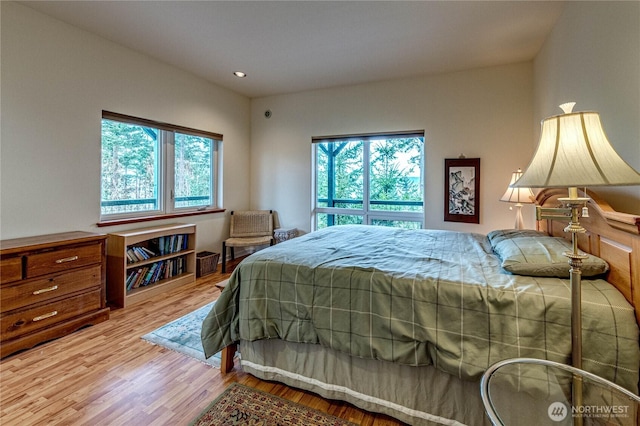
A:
x: 43, y: 289
x: 19, y: 323
x: 62, y: 259
x: 10, y: 269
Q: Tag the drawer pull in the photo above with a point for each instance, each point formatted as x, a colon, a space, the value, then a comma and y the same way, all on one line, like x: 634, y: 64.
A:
x: 67, y: 259
x: 45, y: 290
x: 45, y: 316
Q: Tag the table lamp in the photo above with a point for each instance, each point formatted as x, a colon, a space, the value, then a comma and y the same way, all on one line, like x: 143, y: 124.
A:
x: 519, y: 196
x: 573, y: 152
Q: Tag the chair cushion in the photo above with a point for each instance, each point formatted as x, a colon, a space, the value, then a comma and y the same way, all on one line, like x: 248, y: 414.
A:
x: 246, y: 242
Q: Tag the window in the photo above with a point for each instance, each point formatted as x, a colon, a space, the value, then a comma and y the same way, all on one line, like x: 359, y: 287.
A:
x: 369, y: 179
x: 151, y: 168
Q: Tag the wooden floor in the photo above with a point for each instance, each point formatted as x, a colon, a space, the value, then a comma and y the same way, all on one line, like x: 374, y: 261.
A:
x: 107, y: 375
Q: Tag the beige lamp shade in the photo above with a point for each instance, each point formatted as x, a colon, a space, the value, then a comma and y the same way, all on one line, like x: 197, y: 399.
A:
x: 574, y: 152
x: 517, y: 195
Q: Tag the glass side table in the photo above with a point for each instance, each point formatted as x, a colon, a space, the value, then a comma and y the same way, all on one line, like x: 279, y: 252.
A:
x: 527, y: 391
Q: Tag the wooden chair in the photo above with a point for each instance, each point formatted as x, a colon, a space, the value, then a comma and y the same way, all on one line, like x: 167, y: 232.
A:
x: 248, y: 229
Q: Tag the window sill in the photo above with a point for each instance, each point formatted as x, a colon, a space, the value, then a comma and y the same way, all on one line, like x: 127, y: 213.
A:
x: 156, y: 217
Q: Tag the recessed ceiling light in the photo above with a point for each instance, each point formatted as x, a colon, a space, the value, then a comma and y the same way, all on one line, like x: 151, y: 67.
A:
x: 239, y: 74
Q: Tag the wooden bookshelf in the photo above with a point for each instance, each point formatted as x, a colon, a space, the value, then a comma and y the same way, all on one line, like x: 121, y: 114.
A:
x: 142, y: 263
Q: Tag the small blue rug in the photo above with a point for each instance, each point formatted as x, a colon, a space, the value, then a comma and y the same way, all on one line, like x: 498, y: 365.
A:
x: 183, y: 335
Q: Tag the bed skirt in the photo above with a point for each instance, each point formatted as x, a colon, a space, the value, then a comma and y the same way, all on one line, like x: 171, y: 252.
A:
x: 414, y: 395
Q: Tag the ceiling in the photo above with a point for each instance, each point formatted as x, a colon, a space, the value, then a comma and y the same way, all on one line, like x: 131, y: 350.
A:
x: 292, y: 46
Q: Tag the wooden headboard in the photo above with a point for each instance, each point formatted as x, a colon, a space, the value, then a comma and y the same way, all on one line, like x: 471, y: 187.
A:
x: 612, y: 236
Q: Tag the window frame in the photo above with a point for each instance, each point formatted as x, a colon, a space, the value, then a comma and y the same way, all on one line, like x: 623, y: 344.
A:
x: 165, y: 162
x: 368, y: 215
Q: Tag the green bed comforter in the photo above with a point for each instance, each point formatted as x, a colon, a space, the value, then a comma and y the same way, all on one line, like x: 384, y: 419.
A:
x: 418, y: 297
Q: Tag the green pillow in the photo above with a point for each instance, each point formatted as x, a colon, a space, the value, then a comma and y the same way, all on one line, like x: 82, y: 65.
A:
x: 543, y: 256
x: 506, y: 234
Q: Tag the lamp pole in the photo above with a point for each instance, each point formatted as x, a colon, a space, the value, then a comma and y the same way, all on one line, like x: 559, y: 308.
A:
x: 572, y: 207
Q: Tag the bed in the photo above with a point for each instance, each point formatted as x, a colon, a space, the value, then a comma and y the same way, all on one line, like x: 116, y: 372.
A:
x: 405, y: 322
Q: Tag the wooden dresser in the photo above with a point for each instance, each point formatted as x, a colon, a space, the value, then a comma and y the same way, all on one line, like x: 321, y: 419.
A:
x: 50, y: 286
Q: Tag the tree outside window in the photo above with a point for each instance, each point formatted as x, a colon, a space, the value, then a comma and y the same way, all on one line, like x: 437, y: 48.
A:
x: 375, y: 180
x: 153, y: 168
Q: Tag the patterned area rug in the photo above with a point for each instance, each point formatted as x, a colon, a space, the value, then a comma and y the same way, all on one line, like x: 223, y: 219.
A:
x: 183, y: 335
x: 242, y: 405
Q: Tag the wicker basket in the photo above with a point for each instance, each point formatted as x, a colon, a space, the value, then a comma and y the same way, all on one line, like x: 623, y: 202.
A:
x: 206, y: 263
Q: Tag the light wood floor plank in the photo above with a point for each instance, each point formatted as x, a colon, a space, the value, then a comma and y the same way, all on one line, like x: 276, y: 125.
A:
x: 107, y: 375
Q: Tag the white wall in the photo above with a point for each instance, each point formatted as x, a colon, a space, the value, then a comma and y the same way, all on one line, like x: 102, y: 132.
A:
x: 482, y: 113
x: 56, y: 80
x: 592, y: 57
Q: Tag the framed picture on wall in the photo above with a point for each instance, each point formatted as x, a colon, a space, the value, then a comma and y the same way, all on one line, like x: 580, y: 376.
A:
x: 462, y: 190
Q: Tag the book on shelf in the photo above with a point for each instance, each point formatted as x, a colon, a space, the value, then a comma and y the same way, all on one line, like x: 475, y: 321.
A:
x: 135, y: 277
x: 128, y: 282
x: 131, y: 256
x: 139, y: 253
x: 149, y: 252
x: 171, y: 243
x: 142, y: 277
x: 156, y: 275
x: 150, y: 274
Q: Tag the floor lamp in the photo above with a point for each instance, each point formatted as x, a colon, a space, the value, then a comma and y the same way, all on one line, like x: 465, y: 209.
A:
x: 574, y: 152
x: 519, y: 196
